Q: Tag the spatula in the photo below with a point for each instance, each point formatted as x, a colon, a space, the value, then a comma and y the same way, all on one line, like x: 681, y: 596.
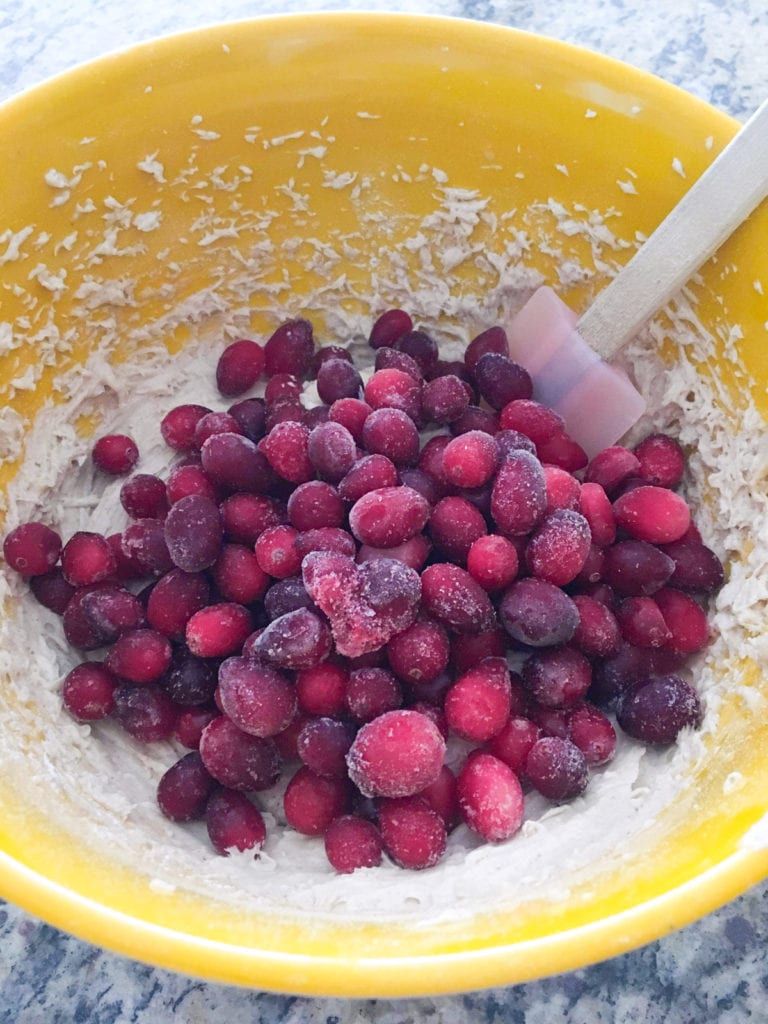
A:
x: 566, y: 354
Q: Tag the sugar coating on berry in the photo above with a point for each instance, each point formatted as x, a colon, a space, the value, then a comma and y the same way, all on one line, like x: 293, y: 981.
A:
x: 397, y: 754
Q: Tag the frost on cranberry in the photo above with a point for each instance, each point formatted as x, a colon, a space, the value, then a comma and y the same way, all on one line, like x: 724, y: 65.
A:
x: 234, y: 823
x: 559, y: 547
x: 477, y: 705
x: 388, y: 516
x: 454, y: 598
x: 88, y: 691
x: 657, y: 711
x: 311, y: 801
x: 352, y: 843
x: 490, y: 797
x: 236, y: 759
x: 454, y: 525
x: 397, y: 754
x: 297, y: 640
x: 193, y: 533
x: 414, y: 835
x: 420, y: 653
x: 519, y: 494
x: 557, y: 768
x: 290, y: 349
x: 537, y: 613
x: 371, y: 692
x: 257, y: 698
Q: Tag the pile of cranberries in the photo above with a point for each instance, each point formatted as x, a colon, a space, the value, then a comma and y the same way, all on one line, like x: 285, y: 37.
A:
x: 326, y: 593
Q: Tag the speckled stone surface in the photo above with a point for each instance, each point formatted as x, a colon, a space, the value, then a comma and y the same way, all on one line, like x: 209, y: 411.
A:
x: 713, y: 971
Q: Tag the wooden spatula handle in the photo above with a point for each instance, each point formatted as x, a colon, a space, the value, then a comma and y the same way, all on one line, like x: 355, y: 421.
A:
x: 724, y: 196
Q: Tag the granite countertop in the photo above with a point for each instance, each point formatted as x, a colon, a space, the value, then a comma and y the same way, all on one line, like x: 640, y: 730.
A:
x: 714, y: 970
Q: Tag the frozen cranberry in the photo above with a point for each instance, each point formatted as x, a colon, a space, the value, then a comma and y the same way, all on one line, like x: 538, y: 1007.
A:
x: 388, y: 516
x: 311, y: 801
x: 174, y: 600
x: 286, y: 596
x: 239, y: 367
x: 214, y: 423
x: 250, y: 415
x: 414, y: 835
x: 490, y: 797
x: 421, y: 347
x: 285, y: 411
x: 501, y: 381
x: 257, y: 698
x: 290, y: 349
x: 326, y: 538
x: 397, y: 754
x: 661, y: 460
x: 431, y: 460
x: 611, y: 467
x: 115, y: 454
x: 454, y: 525
x: 442, y: 796
x: 184, y: 789
x: 323, y: 744
x: 492, y: 561
x: 653, y: 514
x: 591, y: 731
x: 79, y: 631
x: 454, y: 598
x: 558, y: 549
x: 189, y: 479
x: 563, y: 489
x: 371, y: 692
x: 88, y: 691
x: 477, y: 706
x: 112, y: 610
x: 299, y: 639
x: 595, y: 506
x: 189, y: 681
x: 352, y: 414
x: 286, y: 447
x: 338, y: 378
x: 475, y: 419
x: 370, y: 473
x: 232, y: 461
x: 642, y: 623
x: 389, y: 327
x: 531, y: 418
x: 514, y: 742
x: 394, y: 389
x: 551, y: 721
x: 190, y: 725
x: 276, y: 552
x: 282, y: 387
x: 139, y: 655
x: 685, y: 620
x: 87, y: 558
x: 591, y: 572
x: 193, y: 533
x: 494, y: 339
x: 236, y: 759
x: 315, y: 504
x: 512, y: 441
x: 218, y: 630
x: 143, y: 497
x: 420, y: 653
x: 246, y: 516
x: 238, y: 575
x: 562, y: 451
x: 331, y: 450
x: 697, y: 567
x: 234, y: 823
x: 352, y: 843
x: 557, y: 768
x: 144, y: 547
x: 444, y: 399
x: 597, y: 634
x: 557, y: 678
x: 537, y: 613
x: 618, y: 672
x: 51, y: 590
x: 657, y: 711
x: 321, y: 689
x: 635, y: 567
x: 327, y: 352
x: 391, y: 359
x: 393, y: 433
x: 145, y: 712
x: 469, y: 649
x: 178, y: 426
x: 519, y: 494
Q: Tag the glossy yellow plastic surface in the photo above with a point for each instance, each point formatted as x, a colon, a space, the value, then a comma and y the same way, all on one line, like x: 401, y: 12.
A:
x: 504, y: 113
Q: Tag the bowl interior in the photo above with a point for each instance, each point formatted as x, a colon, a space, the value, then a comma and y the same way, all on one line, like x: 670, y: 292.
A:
x: 162, y: 200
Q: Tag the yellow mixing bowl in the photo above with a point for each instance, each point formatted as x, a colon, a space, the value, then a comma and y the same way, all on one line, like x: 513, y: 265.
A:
x: 311, y: 154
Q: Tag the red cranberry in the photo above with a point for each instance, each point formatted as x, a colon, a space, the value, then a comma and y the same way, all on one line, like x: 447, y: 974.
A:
x: 697, y: 567
x: 144, y: 547
x: 286, y: 596
x: 51, y: 590
x: 257, y: 698
x: 232, y: 461
x: 87, y: 558
x: 189, y: 479
x: 389, y: 327
x: 370, y: 473
x: 490, y: 797
x: 234, y: 823
x: 394, y: 389
x: 441, y: 795
x: 477, y: 706
x: 371, y: 692
x: 352, y: 414
x: 392, y: 433
x: 414, y: 835
x: 286, y: 447
x: 276, y: 553
x: 214, y: 423
x: 290, y: 349
x: 115, y: 454
x: 642, y: 623
x: 184, y: 789
x: 611, y: 467
x: 325, y: 538
x: 557, y: 678
x: 591, y: 731
x: 512, y: 441
x: 145, y: 712
x: 299, y: 639
x: 444, y: 399
x: 174, y: 600
x: 514, y: 742
x: 388, y: 516
x: 112, y: 610
x: 421, y: 347
x: 492, y: 561
x: 246, y: 516
x: 193, y: 532
x: 315, y: 504
x: 558, y: 549
x: 352, y: 843
x: 331, y: 450
x: 537, y: 613
x: 323, y: 744
x: 635, y: 567
x: 657, y: 711
x: 420, y: 653
x: 143, y: 497
x: 454, y: 525
x: 413, y: 552
x: 468, y: 650
x: 239, y: 367
x: 178, y: 426
x: 89, y: 691
x: 685, y: 620
x: 470, y: 459
x: 494, y: 339
x: 189, y: 681
x: 653, y: 514
x: 236, y: 759
x: 321, y: 690
x: 140, y: 655
x: 238, y: 575
x: 282, y: 387
x: 557, y: 768
x: 519, y: 494
x: 397, y: 754
x: 531, y: 418
x: 451, y: 595
x: 500, y: 380
x: 218, y: 630
x: 661, y: 459
x: 311, y: 801
x: 250, y: 415
x: 595, y: 506
x: 190, y: 725
x: 597, y: 634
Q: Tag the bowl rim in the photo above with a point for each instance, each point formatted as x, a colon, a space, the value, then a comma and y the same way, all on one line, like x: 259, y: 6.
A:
x: 409, y: 975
